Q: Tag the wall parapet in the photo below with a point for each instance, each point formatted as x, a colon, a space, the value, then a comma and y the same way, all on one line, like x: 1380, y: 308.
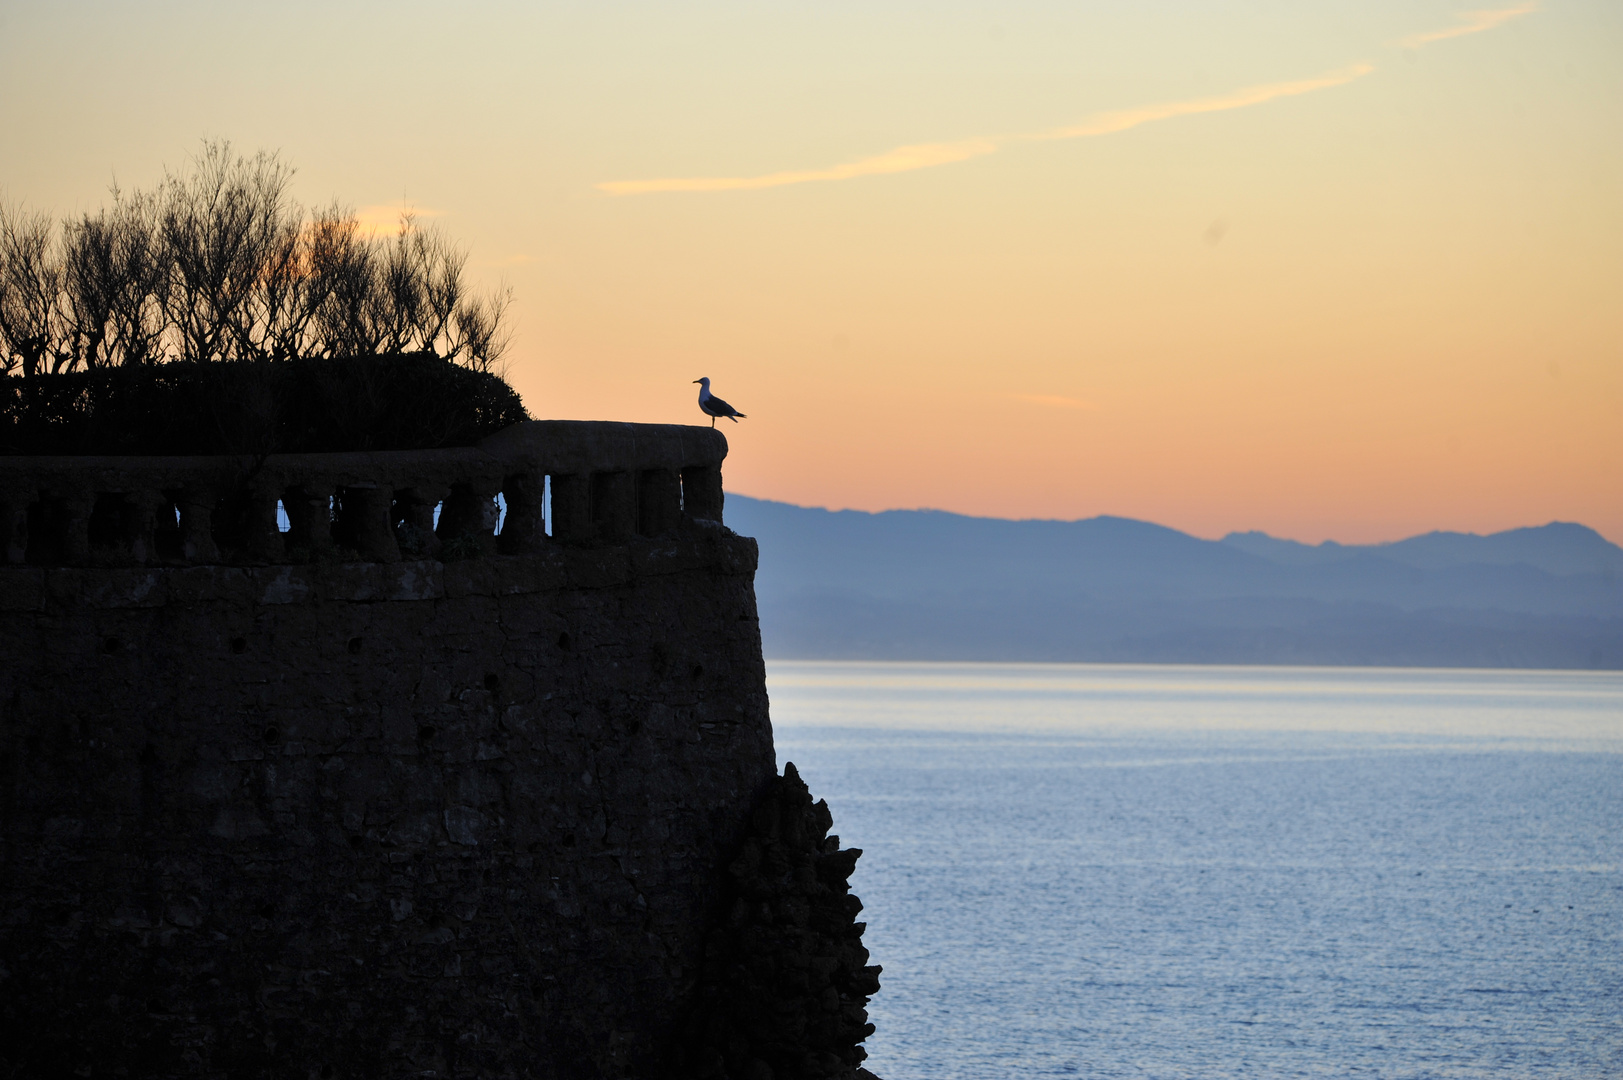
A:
x: 592, y: 482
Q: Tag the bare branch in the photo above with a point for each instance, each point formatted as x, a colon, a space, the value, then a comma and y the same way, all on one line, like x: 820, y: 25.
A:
x: 218, y: 264
x: 222, y: 224
x: 31, y: 319
x: 480, y: 337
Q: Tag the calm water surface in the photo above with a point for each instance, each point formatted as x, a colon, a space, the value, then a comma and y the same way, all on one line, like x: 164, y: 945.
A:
x: 1096, y: 871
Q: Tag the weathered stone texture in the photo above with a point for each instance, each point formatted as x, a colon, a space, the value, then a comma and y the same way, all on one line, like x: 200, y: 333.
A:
x: 372, y: 820
x: 787, y: 981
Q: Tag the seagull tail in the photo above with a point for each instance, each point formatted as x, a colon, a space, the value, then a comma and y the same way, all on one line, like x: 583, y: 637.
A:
x: 735, y: 416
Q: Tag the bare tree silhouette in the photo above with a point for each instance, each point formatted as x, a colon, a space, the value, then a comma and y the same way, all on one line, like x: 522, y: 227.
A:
x: 32, y: 325
x: 219, y: 264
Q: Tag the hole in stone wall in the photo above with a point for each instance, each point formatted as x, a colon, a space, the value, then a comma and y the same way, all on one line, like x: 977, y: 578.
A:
x: 239, y: 645
x: 354, y: 646
x: 283, y: 522
x: 493, y: 682
x: 273, y: 735
x: 439, y: 506
x: 110, y: 646
x: 569, y: 839
x: 501, y: 512
x: 698, y: 671
x: 546, y: 503
x: 425, y: 733
x: 563, y: 641
x: 166, y: 533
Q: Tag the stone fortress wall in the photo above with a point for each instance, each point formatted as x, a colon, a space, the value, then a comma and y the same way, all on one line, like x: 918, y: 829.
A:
x: 380, y: 794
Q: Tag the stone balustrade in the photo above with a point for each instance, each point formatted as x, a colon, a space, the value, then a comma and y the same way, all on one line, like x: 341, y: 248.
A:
x: 591, y: 482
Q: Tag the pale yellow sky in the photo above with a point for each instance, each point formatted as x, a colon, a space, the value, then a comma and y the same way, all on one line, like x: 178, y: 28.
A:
x: 1343, y: 270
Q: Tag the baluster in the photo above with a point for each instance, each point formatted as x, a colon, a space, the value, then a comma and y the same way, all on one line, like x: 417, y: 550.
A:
x: 614, y: 506
x: 73, y: 526
x: 309, y: 511
x: 364, y: 522
x: 659, y: 502
x: 261, y: 532
x: 197, y: 525
x: 138, y: 519
x: 14, y: 504
x: 571, y: 508
x: 525, y: 530
x: 470, y: 512
x: 414, y: 510
x: 701, y: 493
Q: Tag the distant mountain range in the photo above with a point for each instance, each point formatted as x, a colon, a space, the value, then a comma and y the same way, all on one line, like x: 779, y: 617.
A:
x: 929, y: 585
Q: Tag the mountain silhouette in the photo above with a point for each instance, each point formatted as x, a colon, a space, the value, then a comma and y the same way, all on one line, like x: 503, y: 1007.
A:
x: 930, y: 585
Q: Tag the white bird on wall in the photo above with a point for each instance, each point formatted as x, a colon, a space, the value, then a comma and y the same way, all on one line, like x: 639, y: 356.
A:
x: 713, y: 406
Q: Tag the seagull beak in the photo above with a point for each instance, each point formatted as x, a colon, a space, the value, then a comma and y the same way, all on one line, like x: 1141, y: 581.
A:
x: 698, y: 380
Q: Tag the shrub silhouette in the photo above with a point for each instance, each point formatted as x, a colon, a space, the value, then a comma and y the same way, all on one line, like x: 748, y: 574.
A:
x: 305, y: 405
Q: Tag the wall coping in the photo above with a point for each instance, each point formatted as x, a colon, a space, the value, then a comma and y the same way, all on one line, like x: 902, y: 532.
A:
x: 570, y: 482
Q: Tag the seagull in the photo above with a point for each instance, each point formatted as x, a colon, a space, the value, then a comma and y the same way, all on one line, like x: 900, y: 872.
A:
x: 713, y: 406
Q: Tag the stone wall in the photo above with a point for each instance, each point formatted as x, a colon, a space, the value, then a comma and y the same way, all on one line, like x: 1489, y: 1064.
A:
x: 395, y: 818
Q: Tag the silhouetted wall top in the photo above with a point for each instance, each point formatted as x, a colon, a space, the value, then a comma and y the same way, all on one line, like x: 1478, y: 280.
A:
x: 535, y: 483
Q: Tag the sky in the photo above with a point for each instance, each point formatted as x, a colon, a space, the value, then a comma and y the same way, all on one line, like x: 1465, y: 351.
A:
x: 1345, y: 270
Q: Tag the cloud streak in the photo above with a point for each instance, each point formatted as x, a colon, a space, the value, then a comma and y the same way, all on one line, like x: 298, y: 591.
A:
x: 1108, y: 123
x: 929, y: 155
x: 383, y: 219
x: 901, y: 159
x: 1475, y: 23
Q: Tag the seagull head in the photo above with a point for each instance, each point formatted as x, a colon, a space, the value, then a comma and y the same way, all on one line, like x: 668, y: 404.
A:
x: 702, y: 382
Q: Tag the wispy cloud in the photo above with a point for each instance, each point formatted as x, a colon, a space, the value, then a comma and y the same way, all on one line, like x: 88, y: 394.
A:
x: 1053, y: 401
x: 1475, y: 22
x: 384, y: 218
x: 1108, y: 123
x: 929, y: 155
x: 901, y: 159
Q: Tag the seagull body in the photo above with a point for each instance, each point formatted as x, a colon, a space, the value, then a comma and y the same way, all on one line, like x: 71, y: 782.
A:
x: 713, y: 406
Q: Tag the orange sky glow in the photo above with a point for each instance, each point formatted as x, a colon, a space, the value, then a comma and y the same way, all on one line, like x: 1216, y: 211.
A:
x: 1348, y: 270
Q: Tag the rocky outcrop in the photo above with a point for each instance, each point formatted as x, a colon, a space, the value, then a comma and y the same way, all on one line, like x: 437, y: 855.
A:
x: 786, y: 979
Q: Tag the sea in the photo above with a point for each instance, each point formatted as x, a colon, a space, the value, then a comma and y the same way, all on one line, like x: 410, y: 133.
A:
x: 1204, y: 872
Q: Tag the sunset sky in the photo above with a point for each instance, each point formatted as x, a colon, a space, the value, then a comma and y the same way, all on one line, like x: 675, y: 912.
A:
x: 1350, y: 269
